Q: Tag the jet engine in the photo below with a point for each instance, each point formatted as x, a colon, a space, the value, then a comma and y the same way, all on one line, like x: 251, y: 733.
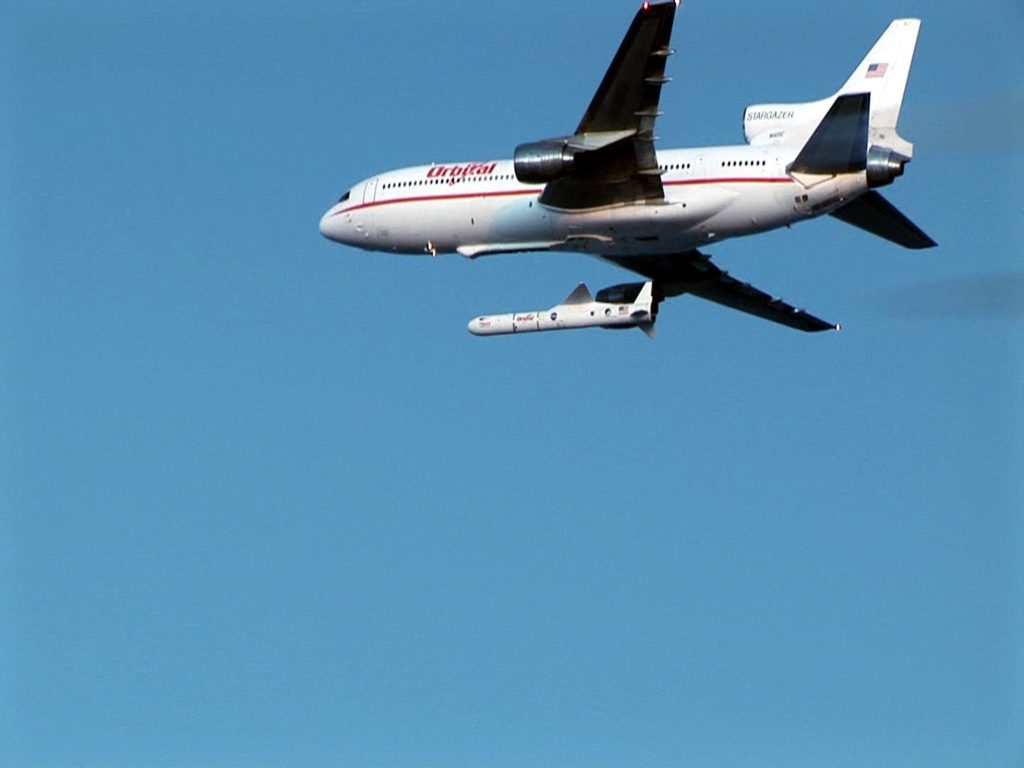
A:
x: 884, y: 166
x: 539, y: 162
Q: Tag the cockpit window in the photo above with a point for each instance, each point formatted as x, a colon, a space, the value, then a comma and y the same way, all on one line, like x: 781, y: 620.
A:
x: 345, y: 197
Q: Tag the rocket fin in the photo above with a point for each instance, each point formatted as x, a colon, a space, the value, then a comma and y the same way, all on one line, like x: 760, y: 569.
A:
x: 646, y: 294
x: 580, y: 295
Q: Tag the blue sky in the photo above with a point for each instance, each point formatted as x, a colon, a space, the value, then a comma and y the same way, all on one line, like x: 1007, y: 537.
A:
x: 265, y: 502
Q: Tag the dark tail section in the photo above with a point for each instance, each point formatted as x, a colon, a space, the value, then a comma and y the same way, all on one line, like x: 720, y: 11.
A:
x: 858, y: 134
x: 840, y: 145
x: 873, y: 213
x: 840, y: 142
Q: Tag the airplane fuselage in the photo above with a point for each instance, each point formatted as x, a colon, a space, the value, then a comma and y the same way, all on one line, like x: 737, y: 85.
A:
x: 478, y: 208
x: 606, y: 189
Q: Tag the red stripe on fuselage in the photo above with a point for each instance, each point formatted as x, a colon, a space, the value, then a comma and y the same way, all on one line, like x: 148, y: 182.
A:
x: 430, y: 198
x: 511, y: 193
x: 738, y: 180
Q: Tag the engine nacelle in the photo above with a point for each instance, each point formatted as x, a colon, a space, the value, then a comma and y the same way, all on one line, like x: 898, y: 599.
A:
x: 539, y: 162
x: 884, y: 166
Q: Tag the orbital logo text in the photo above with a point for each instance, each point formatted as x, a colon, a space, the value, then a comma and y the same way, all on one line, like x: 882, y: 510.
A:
x: 455, y: 171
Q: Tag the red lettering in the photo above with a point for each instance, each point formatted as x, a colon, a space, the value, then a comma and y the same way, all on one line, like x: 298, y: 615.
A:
x: 455, y: 171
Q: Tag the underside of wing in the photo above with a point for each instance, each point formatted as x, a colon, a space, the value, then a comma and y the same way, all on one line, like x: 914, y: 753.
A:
x: 693, y: 273
x: 626, y: 104
x: 873, y: 213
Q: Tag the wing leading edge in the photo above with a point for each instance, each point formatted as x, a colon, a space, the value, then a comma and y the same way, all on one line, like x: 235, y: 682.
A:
x: 626, y: 101
x: 693, y: 273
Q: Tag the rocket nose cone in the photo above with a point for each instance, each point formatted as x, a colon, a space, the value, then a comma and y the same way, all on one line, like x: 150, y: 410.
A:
x: 488, y: 325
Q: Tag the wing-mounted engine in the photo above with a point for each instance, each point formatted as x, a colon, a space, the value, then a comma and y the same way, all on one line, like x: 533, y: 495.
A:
x: 610, y: 159
x: 539, y: 162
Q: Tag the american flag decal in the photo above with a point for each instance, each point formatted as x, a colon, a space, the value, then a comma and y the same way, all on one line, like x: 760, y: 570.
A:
x: 877, y: 70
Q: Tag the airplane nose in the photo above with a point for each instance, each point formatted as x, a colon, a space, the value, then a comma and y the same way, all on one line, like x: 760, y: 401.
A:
x: 331, y: 225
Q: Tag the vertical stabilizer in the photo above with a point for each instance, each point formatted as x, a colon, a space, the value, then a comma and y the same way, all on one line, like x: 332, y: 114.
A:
x: 883, y: 73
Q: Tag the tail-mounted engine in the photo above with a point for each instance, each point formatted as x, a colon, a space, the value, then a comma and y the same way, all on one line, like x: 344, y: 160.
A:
x: 884, y: 166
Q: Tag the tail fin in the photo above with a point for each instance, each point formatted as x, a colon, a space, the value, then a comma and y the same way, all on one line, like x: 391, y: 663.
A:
x: 646, y: 298
x: 883, y: 73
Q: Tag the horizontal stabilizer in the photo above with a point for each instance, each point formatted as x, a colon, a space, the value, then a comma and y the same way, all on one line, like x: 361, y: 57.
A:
x: 840, y: 142
x: 873, y: 213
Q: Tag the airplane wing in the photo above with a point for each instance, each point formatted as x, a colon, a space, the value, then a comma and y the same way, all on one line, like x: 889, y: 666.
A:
x: 693, y: 272
x: 627, y: 102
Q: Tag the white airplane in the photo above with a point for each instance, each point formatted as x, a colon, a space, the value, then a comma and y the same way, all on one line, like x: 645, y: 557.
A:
x: 605, y: 190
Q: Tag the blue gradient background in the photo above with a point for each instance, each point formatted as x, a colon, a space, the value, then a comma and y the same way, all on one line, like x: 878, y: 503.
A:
x: 266, y: 503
